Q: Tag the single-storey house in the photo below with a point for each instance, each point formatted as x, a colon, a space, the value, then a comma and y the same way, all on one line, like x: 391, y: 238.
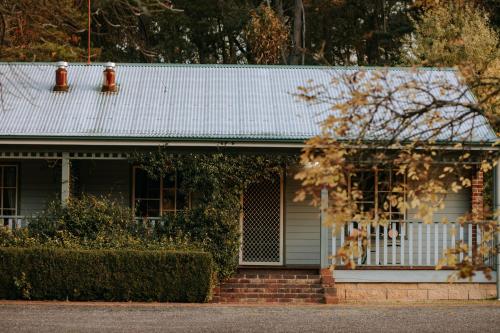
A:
x: 91, y: 128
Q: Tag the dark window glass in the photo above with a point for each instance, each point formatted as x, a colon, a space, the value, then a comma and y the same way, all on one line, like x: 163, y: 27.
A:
x: 8, y: 190
x: 145, y: 187
x: 9, y: 199
x: 149, y: 208
x: 169, y: 199
x: 182, y: 200
x: 156, y: 197
x: 9, y: 176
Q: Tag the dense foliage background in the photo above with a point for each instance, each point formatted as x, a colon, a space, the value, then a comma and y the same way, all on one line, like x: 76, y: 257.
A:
x: 344, y: 32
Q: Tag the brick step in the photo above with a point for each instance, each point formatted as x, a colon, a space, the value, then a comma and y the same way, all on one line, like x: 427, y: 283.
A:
x: 272, y: 290
x: 314, y: 300
x: 275, y: 277
x: 271, y: 295
x: 297, y: 286
x: 271, y: 285
x: 257, y: 280
x: 270, y: 270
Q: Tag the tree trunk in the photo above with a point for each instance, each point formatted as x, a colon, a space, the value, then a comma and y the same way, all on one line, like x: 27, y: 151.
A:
x: 279, y: 8
x: 297, y: 55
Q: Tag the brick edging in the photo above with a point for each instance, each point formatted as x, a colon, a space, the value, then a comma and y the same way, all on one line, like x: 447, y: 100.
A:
x: 328, y: 284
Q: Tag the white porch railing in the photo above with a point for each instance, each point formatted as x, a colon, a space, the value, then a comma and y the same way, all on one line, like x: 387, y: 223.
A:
x: 12, y: 222
x: 149, y: 221
x: 408, y: 243
x: 16, y: 222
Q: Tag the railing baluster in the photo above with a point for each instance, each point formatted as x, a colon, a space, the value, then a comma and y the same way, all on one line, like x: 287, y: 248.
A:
x: 469, y: 239
x: 478, y: 239
x: 385, y: 244
x: 377, y: 245
x: 402, y: 243
x: 368, y: 244
x: 419, y: 245
x: 351, y: 243
x: 410, y: 243
x: 461, y: 239
x: 453, y: 241
x: 394, y: 239
x: 428, y: 234
x: 436, y: 243
x: 445, y: 239
x: 478, y: 229
x: 342, y: 240
x: 334, y: 242
x: 360, y: 248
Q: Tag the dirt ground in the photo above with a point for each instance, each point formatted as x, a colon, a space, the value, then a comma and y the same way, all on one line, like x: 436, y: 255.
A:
x: 17, y: 316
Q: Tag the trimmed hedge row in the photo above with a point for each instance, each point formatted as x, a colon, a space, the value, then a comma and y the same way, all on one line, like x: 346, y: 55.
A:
x: 111, y: 275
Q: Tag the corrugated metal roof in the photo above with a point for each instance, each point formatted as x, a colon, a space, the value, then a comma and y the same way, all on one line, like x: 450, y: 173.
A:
x: 173, y: 102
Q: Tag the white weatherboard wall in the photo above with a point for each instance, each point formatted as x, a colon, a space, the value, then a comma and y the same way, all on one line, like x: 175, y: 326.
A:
x: 302, y: 228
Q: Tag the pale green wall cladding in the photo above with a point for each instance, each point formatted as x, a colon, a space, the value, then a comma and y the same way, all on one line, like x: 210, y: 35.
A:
x: 302, y: 228
x: 39, y: 183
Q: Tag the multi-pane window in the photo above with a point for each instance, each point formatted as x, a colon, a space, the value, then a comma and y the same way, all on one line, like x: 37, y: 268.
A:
x: 376, y: 186
x: 156, y: 197
x: 8, y: 190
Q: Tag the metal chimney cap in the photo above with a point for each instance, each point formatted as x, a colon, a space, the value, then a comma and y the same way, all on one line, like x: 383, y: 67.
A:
x: 61, y: 64
x: 110, y: 65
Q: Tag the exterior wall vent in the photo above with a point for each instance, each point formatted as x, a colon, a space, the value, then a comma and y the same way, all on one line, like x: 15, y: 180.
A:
x: 109, y: 78
x: 61, y: 76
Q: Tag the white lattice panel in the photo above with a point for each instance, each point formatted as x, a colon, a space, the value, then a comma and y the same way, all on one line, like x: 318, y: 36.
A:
x: 261, y: 229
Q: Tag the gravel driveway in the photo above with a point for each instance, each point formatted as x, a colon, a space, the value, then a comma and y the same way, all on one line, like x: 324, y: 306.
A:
x: 126, y: 317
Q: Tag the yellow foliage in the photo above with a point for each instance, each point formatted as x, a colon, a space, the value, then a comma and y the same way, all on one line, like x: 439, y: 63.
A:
x: 267, y: 35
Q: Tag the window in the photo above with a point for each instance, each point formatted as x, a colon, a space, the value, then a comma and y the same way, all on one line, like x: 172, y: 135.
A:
x: 376, y: 185
x: 156, y: 197
x: 8, y: 190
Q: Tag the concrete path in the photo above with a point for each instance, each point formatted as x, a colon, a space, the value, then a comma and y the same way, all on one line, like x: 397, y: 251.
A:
x: 131, y: 317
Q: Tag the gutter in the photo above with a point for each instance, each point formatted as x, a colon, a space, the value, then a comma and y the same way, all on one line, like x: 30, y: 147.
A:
x: 151, y: 143
x: 197, y: 142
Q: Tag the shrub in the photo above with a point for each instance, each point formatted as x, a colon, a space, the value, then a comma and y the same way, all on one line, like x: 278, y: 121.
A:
x: 101, y: 223
x: 87, y: 217
x: 214, y: 233
x: 111, y: 275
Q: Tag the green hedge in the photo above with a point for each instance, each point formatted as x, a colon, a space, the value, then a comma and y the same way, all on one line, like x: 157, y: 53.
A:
x: 111, y: 275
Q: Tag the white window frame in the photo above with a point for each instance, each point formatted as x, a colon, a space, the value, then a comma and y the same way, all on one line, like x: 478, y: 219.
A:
x: 2, y: 188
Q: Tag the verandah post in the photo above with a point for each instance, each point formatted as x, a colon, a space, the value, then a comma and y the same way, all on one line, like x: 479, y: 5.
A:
x: 324, y: 229
x: 65, y: 178
x: 496, y: 197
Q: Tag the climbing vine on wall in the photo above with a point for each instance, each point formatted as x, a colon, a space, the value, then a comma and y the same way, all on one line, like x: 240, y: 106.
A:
x: 218, y: 181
